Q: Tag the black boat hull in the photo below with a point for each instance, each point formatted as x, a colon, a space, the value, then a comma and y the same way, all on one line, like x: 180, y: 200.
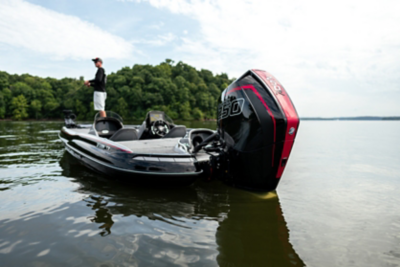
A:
x: 121, y: 164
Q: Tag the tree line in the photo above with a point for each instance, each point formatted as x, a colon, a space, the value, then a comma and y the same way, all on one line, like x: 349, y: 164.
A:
x: 177, y: 89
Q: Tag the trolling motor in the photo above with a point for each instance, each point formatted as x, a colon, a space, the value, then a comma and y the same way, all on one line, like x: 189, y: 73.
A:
x: 69, y: 119
x: 216, y: 147
x: 210, y: 144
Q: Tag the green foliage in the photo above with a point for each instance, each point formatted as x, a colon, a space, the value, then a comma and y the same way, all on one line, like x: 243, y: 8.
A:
x: 7, y: 96
x: 197, y: 114
x: 90, y: 115
x: 177, y: 89
x: 3, y: 80
x: 122, y: 108
x: 19, y: 106
x: 36, y: 107
x: 2, y: 106
x: 80, y: 110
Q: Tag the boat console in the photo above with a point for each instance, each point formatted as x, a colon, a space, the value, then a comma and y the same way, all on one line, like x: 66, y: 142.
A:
x: 158, y: 125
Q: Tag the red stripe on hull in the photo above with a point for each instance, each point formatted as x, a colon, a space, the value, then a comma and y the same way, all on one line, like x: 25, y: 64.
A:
x: 108, y: 144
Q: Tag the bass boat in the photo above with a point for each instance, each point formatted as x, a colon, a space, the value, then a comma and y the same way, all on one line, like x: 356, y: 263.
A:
x: 256, y: 128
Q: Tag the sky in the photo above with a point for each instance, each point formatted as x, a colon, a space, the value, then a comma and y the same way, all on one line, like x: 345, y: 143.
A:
x: 334, y: 58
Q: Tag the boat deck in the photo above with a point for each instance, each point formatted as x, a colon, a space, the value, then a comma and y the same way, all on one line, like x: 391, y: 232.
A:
x: 159, y: 146
x: 81, y: 131
x: 151, y: 146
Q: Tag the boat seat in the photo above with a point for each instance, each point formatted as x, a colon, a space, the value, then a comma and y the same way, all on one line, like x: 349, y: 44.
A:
x: 177, y: 131
x: 125, y: 134
x: 106, y: 126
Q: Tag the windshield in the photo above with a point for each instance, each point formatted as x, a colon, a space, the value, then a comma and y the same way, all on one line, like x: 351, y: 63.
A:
x: 168, y: 119
x: 109, y: 114
x: 158, y: 115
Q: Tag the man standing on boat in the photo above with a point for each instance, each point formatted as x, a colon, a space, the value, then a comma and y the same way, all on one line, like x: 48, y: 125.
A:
x: 99, y: 84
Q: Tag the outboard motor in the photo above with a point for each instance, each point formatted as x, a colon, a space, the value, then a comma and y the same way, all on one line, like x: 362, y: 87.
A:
x: 69, y: 119
x: 258, y: 123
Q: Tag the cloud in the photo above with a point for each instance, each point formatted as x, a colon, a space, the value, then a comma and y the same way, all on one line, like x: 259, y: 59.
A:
x: 161, y: 40
x: 157, y: 26
x: 341, y: 32
x: 321, y: 48
x: 60, y: 36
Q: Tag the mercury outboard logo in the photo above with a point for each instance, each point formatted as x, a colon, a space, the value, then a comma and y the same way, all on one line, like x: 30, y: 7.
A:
x: 291, y: 130
x: 275, y: 85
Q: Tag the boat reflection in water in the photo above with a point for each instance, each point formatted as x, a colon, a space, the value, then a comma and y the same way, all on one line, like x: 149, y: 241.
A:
x: 224, y: 226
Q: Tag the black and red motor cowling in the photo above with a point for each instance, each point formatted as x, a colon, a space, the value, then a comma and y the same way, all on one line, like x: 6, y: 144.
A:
x: 259, y: 123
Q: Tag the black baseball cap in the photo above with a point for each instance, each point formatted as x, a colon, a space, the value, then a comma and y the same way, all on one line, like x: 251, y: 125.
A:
x: 97, y: 59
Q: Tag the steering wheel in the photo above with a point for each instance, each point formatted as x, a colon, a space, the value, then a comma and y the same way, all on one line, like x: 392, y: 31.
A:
x: 159, y: 128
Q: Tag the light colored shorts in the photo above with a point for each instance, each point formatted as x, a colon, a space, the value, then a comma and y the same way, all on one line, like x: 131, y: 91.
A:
x: 99, y: 100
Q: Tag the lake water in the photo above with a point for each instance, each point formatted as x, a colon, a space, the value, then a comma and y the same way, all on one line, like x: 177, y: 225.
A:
x: 338, y: 204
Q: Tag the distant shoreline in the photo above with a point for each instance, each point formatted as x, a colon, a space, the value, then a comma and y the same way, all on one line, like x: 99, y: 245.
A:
x: 361, y: 118
x: 58, y: 119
